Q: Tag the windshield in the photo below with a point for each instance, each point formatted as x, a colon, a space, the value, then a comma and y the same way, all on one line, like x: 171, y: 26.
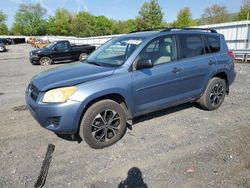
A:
x: 115, y: 52
x: 51, y: 45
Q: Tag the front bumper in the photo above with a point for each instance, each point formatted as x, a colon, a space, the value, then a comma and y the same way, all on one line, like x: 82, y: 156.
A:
x: 60, y: 118
x: 34, y: 59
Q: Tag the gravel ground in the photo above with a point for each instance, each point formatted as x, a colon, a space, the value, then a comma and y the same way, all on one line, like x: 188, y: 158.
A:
x: 179, y: 147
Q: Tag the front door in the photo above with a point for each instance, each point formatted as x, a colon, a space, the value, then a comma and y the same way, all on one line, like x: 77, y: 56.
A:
x: 62, y: 51
x: 156, y: 87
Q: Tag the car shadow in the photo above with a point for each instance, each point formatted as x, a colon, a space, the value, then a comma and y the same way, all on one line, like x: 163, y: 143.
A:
x: 58, y: 63
x: 163, y: 112
x: 134, y: 179
x: 139, y: 119
x: 64, y: 62
x: 68, y: 137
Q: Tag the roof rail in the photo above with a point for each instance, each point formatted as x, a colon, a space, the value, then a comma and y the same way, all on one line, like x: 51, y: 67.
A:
x: 190, y: 28
x: 150, y: 29
x: 164, y: 29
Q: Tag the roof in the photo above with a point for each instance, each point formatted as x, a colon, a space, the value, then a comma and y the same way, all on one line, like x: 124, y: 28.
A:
x: 143, y: 34
x: 149, y: 33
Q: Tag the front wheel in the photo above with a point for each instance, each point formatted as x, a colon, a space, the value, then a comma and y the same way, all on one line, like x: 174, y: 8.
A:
x: 214, y: 94
x: 45, y: 61
x: 83, y: 56
x: 103, y: 124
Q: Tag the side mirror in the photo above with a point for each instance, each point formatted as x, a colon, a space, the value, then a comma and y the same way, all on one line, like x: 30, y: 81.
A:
x: 143, y: 63
x: 55, y: 48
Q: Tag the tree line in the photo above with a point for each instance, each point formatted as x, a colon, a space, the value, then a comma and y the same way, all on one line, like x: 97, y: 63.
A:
x: 32, y: 20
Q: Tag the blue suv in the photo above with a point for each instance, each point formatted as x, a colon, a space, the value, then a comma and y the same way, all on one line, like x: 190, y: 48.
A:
x: 131, y: 75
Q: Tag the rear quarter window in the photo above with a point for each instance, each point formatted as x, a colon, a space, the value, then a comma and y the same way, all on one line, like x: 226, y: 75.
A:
x: 213, y: 43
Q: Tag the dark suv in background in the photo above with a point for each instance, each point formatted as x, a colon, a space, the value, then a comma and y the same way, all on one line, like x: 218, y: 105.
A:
x: 131, y: 75
x: 60, y: 51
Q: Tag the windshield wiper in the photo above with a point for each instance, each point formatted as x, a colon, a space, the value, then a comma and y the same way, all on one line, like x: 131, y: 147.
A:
x: 93, y: 63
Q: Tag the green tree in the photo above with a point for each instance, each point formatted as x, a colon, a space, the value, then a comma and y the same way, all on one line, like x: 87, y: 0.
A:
x: 150, y: 15
x: 104, y: 25
x: 83, y: 25
x: 214, y: 14
x: 51, y: 26
x: 124, y: 26
x: 244, y: 13
x: 131, y: 25
x: 3, y: 26
x: 119, y: 27
x: 184, y: 18
x: 29, y: 20
x: 60, y: 24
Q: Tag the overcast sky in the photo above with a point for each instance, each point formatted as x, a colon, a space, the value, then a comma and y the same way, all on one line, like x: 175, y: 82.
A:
x: 118, y: 9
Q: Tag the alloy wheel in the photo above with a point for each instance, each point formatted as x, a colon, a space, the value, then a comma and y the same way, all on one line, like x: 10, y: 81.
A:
x: 46, y: 61
x: 216, y: 94
x: 106, y: 125
x: 83, y: 57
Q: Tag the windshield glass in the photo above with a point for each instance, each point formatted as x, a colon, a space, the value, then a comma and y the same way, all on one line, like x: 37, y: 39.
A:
x: 51, y: 45
x: 115, y: 52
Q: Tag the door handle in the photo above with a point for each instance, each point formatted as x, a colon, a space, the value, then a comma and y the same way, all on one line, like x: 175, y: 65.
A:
x: 176, y: 70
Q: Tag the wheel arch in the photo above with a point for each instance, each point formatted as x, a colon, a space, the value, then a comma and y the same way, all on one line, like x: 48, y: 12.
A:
x: 117, y: 97
x: 223, y: 76
x: 49, y: 56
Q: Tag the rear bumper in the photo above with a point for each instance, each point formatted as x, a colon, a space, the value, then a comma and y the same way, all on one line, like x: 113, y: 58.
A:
x: 232, y: 76
x: 60, y: 118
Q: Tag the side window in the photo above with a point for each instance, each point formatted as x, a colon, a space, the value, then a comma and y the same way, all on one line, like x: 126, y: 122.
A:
x: 62, y: 46
x: 191, y: 45
x: 213, y: 43
x: 161, y: 50
x: 153, y: 47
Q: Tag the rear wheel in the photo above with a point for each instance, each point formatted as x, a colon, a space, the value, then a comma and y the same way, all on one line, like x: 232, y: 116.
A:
x: 83, y: 56
x: 214, y: 94
x: 103, y: 124
x: 45, y: 61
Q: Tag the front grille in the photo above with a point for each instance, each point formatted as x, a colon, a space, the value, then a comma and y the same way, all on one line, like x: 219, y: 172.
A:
x: 34, y: 92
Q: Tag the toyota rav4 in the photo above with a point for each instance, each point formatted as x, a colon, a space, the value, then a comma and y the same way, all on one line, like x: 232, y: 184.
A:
x: 131, y: 75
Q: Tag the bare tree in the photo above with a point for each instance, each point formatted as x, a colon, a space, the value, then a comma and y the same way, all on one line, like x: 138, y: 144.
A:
x: 214, y: 14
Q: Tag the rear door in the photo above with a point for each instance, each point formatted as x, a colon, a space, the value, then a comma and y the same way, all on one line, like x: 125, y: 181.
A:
x: 197, y: 64
x: 159, y: 86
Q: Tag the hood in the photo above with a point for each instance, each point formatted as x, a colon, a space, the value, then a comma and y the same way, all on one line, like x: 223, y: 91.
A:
x: 39, y: 50
x: 69, y: 75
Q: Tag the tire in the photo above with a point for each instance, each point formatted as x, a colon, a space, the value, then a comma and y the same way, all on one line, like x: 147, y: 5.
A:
x: 214, y: 94
x: 83, y: 56
x: 99, y: 115
x: 45, y: 61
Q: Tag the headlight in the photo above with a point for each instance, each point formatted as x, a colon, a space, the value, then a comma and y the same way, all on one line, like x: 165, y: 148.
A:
x: 59, y: 95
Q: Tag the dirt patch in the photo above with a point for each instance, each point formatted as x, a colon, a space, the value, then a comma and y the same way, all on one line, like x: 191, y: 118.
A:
x: 20, y: 108
x: 2, y: 93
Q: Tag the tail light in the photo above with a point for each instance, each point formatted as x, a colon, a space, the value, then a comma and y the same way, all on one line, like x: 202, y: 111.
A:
x: 231, y: 53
